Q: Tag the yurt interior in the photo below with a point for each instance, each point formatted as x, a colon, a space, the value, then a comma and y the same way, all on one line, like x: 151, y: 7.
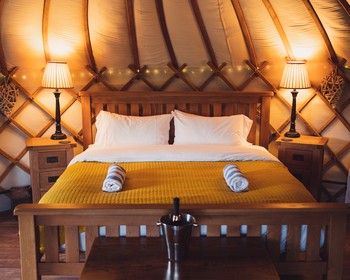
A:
x: 293, y: 54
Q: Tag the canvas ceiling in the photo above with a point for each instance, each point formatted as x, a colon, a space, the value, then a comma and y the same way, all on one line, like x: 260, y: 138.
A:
x: 142, y: 44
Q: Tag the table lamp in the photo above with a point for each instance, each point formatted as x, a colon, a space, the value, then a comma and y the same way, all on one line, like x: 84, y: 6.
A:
x: 294, y: 77
x: 57, y: 76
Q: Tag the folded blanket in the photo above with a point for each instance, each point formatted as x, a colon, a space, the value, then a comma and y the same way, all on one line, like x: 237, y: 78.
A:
x: 115, y: 179
x: 235, y: 179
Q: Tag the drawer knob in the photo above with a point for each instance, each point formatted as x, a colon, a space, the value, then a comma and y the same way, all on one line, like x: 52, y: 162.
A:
x: 52, y: 159
x: 298, y: 157
x: 52, y: 179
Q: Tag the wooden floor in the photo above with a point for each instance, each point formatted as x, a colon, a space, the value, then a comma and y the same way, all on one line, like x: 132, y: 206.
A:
x: 10, y: 255
x: 10, y: 267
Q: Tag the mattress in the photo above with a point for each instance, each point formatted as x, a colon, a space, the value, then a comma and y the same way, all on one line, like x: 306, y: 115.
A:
x: 195, y: 182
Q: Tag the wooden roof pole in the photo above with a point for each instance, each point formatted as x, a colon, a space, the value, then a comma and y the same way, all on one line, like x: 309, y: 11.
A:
x: 279, y: 28
x: 89, y: 51
x: 3, y: 66
x: 213, y: 61
x: 246, y: 34
x: 165, y: 32
x: 345, y: 6
x: 132, y: 32
x: 173, y: 65
x: 252, y: 62
x: 323, y: 32
x: 45, y: 27
x: 204, y: 32
x: 136, y: 67
x: 91, y: 67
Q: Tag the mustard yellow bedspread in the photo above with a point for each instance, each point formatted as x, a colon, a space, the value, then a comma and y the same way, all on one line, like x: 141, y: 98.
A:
x: 193, y: 182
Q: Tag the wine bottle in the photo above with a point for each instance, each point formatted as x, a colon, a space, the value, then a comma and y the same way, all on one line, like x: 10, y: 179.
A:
x: 176, y: 217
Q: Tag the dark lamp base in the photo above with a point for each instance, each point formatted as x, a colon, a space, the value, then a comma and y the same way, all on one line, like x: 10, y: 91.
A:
x: 292, y: 134
x: 58, y: 136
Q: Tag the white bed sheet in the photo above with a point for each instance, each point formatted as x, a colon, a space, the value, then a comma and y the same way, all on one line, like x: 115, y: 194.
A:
x: 175, y: 153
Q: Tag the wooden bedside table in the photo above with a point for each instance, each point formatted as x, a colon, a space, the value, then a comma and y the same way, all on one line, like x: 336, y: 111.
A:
x: 48, y: 159
x: 304, y: 158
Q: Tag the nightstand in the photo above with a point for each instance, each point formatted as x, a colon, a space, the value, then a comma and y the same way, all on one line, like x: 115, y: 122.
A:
x: 304, y: 158
x: 48, y: 159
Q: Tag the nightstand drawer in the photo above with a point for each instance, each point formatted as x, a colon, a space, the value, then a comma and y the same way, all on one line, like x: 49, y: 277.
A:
x: 298, y: 157
x: 48, y: 178
x: 52, y: 159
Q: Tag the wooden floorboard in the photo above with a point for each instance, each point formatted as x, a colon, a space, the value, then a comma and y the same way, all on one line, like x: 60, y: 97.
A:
x: 10, y: 267
x: 10, y: 254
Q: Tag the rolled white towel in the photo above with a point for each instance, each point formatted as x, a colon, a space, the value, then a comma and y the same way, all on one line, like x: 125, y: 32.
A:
x: 115, y: 179
x: 235, y: 179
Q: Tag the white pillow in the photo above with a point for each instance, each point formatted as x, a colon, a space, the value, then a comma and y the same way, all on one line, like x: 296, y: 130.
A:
x: 119, y: 130
x: 227, y: 130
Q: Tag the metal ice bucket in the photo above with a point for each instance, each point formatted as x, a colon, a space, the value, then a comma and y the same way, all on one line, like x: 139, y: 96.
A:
x: 177, y: 235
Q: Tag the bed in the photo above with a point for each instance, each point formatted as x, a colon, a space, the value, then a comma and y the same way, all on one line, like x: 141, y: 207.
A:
x: 285, y: 208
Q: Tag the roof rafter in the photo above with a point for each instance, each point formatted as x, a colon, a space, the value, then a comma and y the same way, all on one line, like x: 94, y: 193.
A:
x: 279, y: 28
x: 45, y: 27
x: 322, y: 30
x: 165, y: 32
x: 89, y: 51
x: 345, y: 6
x: 213, y: 63
x: 129, y: 4
x: 173, y: 65
x: 3, y: 66
x: 246, y: 34
x: 203, y: 30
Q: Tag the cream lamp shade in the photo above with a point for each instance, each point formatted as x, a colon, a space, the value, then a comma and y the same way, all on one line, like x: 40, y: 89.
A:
x: 57, y: 75
x: 295, y: 76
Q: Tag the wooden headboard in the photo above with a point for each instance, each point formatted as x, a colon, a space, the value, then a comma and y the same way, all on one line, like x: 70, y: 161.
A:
x: 255, y: 105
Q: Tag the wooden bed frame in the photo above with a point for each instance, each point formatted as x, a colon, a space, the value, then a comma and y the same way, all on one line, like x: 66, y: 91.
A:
x: 202, y: 103
x: 328, y: 217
